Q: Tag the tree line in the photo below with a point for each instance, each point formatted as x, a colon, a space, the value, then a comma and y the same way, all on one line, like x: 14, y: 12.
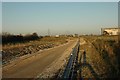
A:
x: 11, y: 38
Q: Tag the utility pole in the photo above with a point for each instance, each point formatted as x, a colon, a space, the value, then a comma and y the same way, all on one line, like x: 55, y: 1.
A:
x: 48, y: 32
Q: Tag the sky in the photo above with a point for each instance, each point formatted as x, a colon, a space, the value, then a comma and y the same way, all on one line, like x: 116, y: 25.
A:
x: 60, y: 0
x: 58, y: 17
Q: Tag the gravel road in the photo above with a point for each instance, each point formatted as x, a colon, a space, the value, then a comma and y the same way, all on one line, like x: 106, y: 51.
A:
x: 30, y: 67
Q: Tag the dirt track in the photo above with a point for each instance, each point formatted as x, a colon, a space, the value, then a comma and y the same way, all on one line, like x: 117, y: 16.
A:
x: 38, y: 63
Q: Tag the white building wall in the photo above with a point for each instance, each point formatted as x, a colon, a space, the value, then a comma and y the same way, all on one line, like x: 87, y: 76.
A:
x: 111, y: 31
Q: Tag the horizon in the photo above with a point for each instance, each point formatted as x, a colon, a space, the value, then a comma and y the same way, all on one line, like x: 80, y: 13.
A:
x: 58, y: 17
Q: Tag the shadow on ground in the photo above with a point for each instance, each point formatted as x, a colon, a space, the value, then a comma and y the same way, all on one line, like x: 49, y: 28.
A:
x: 85, y: 64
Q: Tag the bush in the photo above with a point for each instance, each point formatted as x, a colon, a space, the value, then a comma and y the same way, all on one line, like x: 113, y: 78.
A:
x: 9, y: 38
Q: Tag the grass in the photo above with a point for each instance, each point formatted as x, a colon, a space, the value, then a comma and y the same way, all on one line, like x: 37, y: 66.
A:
x: 107, y: 55
x: 42, y: 41
x: 108, y: 48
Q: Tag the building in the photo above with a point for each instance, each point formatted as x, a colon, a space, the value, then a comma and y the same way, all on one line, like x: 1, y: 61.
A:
x: 56, y: 35
x: 75, y: 35
x: 110, y: 31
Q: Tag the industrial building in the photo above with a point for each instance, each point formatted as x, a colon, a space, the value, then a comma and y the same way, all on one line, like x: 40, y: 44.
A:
x: 110, y: 31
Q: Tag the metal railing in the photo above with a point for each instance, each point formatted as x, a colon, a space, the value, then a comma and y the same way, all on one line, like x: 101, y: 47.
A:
x: 70, y: 69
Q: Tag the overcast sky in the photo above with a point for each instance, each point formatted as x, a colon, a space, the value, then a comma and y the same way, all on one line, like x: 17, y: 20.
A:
x: 58, y: 17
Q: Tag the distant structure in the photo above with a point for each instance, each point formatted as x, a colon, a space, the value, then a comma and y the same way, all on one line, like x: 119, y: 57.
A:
x: 48, y: 32
x: 75, y: 35
x: 110, y: 31
x: 57, y: 35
